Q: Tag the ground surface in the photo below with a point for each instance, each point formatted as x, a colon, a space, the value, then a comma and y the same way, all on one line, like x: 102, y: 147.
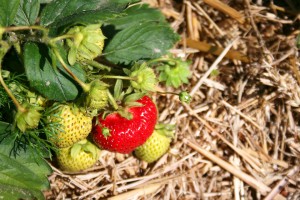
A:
x: 239, y: 137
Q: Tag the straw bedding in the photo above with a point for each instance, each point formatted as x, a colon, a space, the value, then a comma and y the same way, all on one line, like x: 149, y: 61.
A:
x: 239, y: 137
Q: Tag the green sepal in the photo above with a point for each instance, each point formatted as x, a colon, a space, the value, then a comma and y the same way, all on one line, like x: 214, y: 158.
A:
x: 133, y: 97
x: 125, y: 114
x: 28, y: 118
x: 167, y: 130
x: 118, y: 89
x: 75, y: 149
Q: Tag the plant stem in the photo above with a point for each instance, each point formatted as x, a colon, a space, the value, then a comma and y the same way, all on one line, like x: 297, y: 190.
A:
x: 19, y: 28
x: 112, y: 100
x: 97, y: 65
x: 84, y: 86
x: 159, y: 60
x: 13, y: 98
x: 119, y: 77
x: 61, y: 37
x: 4, y: 48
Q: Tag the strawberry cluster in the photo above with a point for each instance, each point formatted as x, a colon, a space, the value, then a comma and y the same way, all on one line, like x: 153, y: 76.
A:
x: 114, y: 110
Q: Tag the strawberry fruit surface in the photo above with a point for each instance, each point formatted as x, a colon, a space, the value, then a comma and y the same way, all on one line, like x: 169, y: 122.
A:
x: 73, y: 125
x: 156, y: 145
x: 126, y: 134
x: 82, y: 155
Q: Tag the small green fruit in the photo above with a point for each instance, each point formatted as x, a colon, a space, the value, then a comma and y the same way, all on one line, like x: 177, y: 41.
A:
x: 28, y: 118
x: 185, y: 97
x: 87, y: 43
x: 82, y: 155
x: 97, y: 96
x: 155, y: 147
x: 144, y: 78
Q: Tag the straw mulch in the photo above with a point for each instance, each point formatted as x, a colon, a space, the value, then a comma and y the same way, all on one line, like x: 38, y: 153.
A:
x: 239, y: 137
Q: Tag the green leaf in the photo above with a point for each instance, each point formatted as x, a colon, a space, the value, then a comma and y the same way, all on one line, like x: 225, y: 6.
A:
x: 27, y: 12
x: 52, y: 82
x: 8, y: 11
x: 144, y: 41
x: 135, y: 15
x: 45, y: 1
x: 3, y: 127
x: 22, y: 174
x: 63, y: 13
x: 17, y: 193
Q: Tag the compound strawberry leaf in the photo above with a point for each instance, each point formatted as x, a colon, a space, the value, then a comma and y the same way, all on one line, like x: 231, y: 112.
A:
x: 27, y: 12
x: 62, y: 13
x: 22, y: 175
x: 146, y: 40
x: 52, y: 82
x: 8, y: 11
x: 136, y: 14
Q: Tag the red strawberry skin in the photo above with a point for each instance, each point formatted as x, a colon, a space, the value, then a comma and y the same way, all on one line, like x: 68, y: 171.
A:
x: 126, y: 135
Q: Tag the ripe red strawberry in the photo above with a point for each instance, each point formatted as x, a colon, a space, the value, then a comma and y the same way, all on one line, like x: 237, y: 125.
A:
x: 126, y: 134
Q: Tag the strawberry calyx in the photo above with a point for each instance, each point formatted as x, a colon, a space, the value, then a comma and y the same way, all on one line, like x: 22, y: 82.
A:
x: 167, y: 130
x: 86, y: 146
x: 28, y: 117
x: 173, y: 71
x: 87, y: 42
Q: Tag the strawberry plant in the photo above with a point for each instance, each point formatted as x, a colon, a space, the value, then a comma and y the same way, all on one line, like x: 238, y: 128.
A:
x: 66, y: 62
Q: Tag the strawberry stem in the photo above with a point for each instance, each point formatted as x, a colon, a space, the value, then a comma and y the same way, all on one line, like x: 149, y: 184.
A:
x: 4, y: 48
x: 159, y: 60
x: 119, y: 77
x: 84, y: 86
x: 13, y: 98
x: 20, y: 28
x: 112, y: 100
x: 97, y: 65
x: 62, y: 37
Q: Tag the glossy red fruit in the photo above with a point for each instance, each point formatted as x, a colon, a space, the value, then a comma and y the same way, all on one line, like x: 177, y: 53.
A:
x: 126, y: 134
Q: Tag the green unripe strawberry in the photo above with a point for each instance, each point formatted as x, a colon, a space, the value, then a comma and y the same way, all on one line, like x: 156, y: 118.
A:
x: 185, y: 97
x: 82, y: 155
x: 87, y: 43
x: 97, y: 96
x: 156, y: 145
x: 143, y: 76
x: 28, y: 117
x: 73, y: 125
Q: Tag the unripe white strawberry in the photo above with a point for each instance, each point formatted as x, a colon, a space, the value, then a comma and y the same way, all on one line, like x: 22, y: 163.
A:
x: 82, y: 155
x: 69, y: 124
x: 156, y: 145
